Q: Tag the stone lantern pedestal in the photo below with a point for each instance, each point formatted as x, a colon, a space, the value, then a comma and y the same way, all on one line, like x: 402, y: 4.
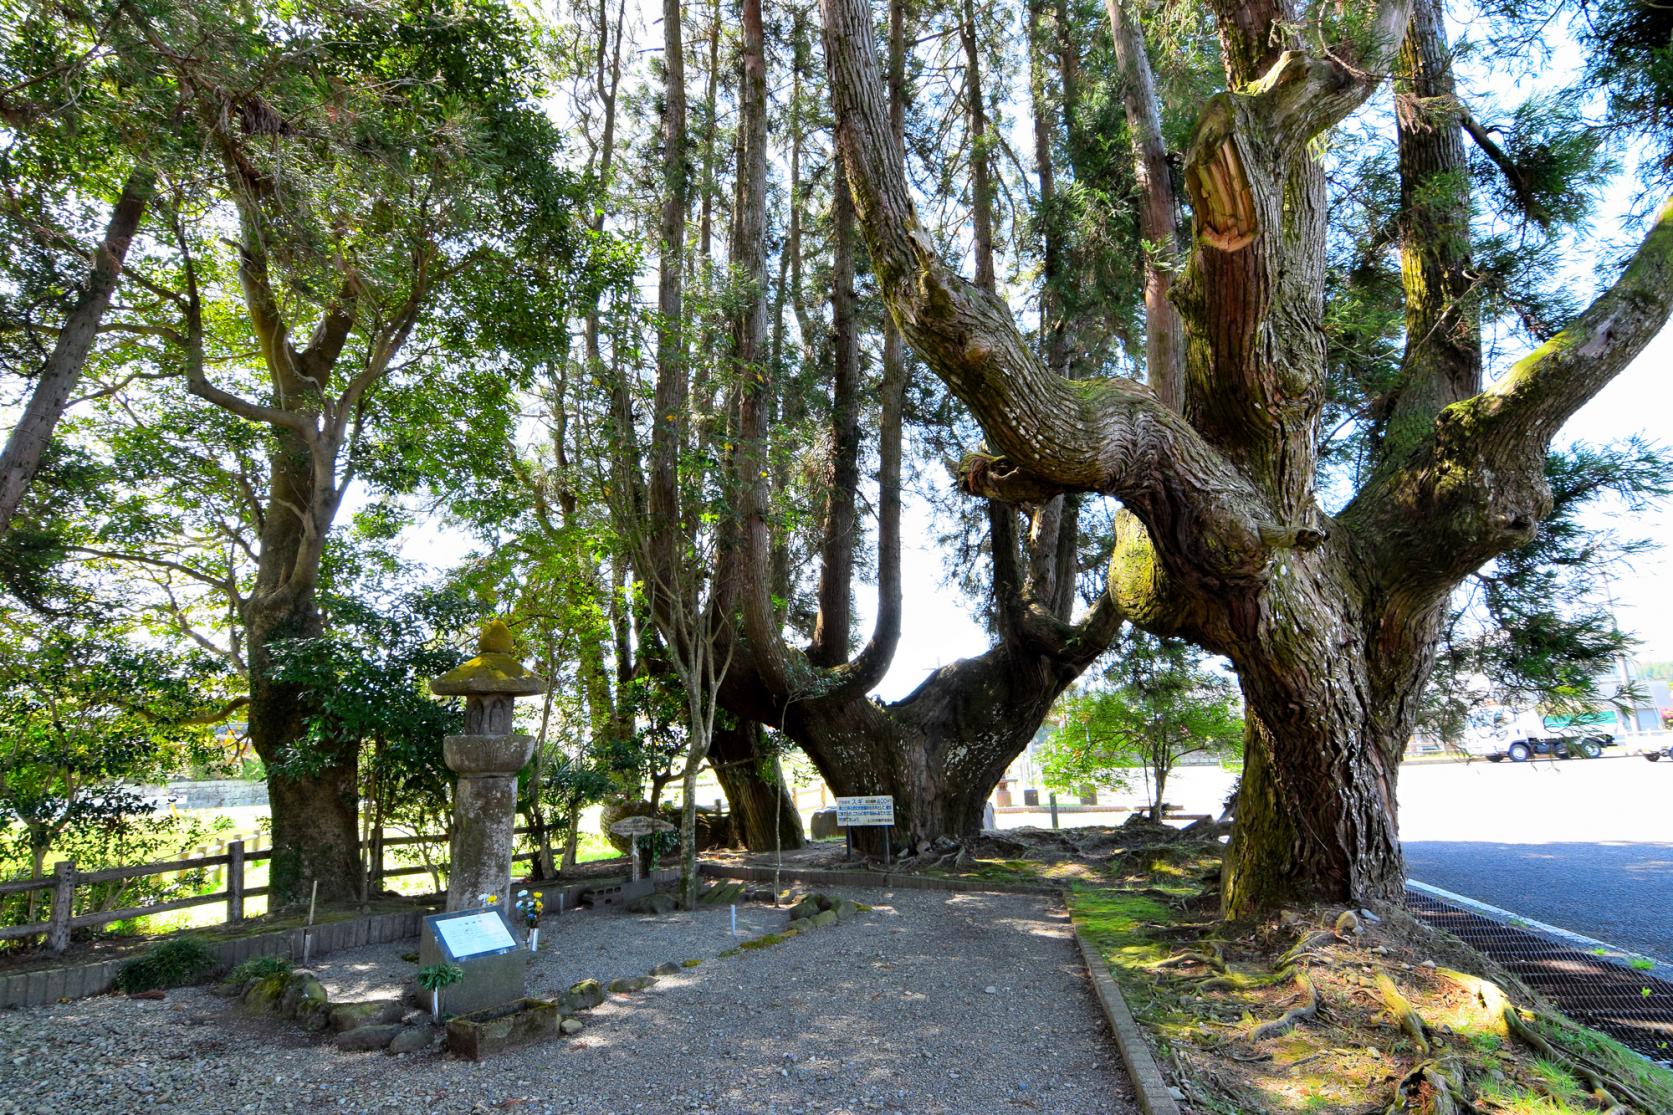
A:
x: 487, y: 758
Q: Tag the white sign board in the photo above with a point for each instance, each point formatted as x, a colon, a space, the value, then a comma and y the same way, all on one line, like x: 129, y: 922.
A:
x: 480, y: 931
x: 876, y: 810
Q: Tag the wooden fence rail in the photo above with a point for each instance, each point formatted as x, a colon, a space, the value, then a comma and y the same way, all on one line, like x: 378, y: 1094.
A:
x: 236, y: 859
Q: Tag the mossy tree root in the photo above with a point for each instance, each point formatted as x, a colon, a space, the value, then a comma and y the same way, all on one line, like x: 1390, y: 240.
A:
x: 1307, y: 1008
x: 1607, y: 1090
x: 1305, y: 945
x: 1403, y: 1014
x: 1242, y: 981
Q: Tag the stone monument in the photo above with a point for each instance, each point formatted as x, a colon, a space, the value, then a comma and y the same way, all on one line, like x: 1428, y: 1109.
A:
x: 486, y: 758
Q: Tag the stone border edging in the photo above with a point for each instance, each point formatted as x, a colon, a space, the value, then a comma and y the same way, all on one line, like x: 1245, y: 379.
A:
x: 872, y: 879
x: 45, y: 986
x: 42, y: 987
x: 1149, y: 1085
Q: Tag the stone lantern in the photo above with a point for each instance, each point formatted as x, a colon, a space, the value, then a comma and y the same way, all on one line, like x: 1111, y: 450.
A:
x: 486, y: 758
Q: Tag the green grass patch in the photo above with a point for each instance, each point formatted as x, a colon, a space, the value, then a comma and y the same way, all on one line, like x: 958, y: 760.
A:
x: 765, y: 941
x: 1649, y: 1081
x: 260, y: 967
x: 1643, y: 964
x: 1115, y: 918
x: 729, y: 952
x: 692, y: 963
x: 173, y: 963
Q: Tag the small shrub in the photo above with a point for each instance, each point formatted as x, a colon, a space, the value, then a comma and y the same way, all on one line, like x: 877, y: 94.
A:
x: 259, y: 967
x: 172, y: 963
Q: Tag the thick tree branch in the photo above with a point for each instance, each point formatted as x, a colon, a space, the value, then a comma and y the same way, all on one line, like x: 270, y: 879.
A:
x: 1475, y: 486
x: 198, y: 383
x: 1547, y: 386
x: 28, y: 441
x: 1108, y: 436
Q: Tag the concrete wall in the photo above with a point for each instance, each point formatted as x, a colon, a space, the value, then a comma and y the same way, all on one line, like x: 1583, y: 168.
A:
x: 222, y: 793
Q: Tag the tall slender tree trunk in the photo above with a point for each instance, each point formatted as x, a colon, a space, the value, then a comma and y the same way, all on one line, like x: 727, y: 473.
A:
x: 28, y: 441
x: 1164, y: 333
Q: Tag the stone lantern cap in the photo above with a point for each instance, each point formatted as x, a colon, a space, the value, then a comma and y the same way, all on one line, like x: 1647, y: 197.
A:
x: 494, y: 672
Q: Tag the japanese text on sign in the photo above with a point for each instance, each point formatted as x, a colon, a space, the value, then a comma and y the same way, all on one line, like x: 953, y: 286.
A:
x: 876, y: 810
x: 481, y: 932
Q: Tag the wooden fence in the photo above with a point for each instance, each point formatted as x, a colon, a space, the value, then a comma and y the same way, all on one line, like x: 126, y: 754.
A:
x: 62, y: 918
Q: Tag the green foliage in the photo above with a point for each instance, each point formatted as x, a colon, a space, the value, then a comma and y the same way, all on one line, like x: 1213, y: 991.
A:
x: 1629, y: 49
x: 434, y: 977
x: 366, y: 686
x: 1157, y: 703
x: 87, y: 710
x: 176, y: 962
x: 1536, y: 627
x: 259, y: 967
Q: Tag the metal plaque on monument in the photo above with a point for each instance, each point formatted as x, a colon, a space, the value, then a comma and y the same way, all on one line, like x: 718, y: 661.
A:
x: 483, y: 944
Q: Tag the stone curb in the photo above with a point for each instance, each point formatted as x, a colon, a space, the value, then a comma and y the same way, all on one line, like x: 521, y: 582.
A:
x: 873, y: 880
x: 1149, y: 1085
x: 44, y: 987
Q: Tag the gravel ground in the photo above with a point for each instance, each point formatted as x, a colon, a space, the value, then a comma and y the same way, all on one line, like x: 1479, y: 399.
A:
x: 934, y: 1003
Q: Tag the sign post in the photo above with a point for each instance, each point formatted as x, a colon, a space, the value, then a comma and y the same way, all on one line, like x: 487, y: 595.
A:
x: 874, y: 811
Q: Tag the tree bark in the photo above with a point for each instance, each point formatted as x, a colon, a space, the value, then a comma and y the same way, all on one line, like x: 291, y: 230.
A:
x: 1164, y: 333
x: 28, y: 441
x: 763, y: 811
x: 668, y: 423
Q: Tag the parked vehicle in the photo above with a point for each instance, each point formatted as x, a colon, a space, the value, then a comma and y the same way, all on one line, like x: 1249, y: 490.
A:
x: 1660, y: 753
x: 1560, y: 747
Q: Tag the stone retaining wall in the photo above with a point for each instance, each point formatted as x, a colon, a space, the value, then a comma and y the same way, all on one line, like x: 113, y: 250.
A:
x: 45, y: 986
x: 872, y: 879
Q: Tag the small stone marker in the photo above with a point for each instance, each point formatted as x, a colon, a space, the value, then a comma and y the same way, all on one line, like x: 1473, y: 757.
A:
x: 482, y: 943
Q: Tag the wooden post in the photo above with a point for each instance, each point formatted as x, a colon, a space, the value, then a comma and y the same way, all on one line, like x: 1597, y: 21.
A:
x: 63, y: 906
x: 235, y: 882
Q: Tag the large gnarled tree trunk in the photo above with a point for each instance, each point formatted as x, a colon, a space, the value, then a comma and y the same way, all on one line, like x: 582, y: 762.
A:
x: 1330, y: 622
x: 939, y: 751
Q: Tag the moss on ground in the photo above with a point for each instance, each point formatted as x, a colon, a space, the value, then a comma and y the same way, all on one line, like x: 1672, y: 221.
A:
x: 1226, y: 1007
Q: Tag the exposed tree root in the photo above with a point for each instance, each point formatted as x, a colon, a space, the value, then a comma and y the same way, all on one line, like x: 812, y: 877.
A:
x: 1608, y: 1091
x: 1402, y: 1013
x: 1306, y: 944
x: 1435, y: 1088
x: 1307, y: 1008
x: 1242, y: 981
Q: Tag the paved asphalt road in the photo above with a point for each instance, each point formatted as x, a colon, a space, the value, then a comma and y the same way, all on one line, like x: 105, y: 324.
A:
x: 1583, y: 845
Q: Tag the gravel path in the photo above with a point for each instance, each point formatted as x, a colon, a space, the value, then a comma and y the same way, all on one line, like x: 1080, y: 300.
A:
x: 933, y: 1003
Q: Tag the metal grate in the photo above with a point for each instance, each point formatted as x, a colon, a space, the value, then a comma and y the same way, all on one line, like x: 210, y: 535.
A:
x: 1587, y: 988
